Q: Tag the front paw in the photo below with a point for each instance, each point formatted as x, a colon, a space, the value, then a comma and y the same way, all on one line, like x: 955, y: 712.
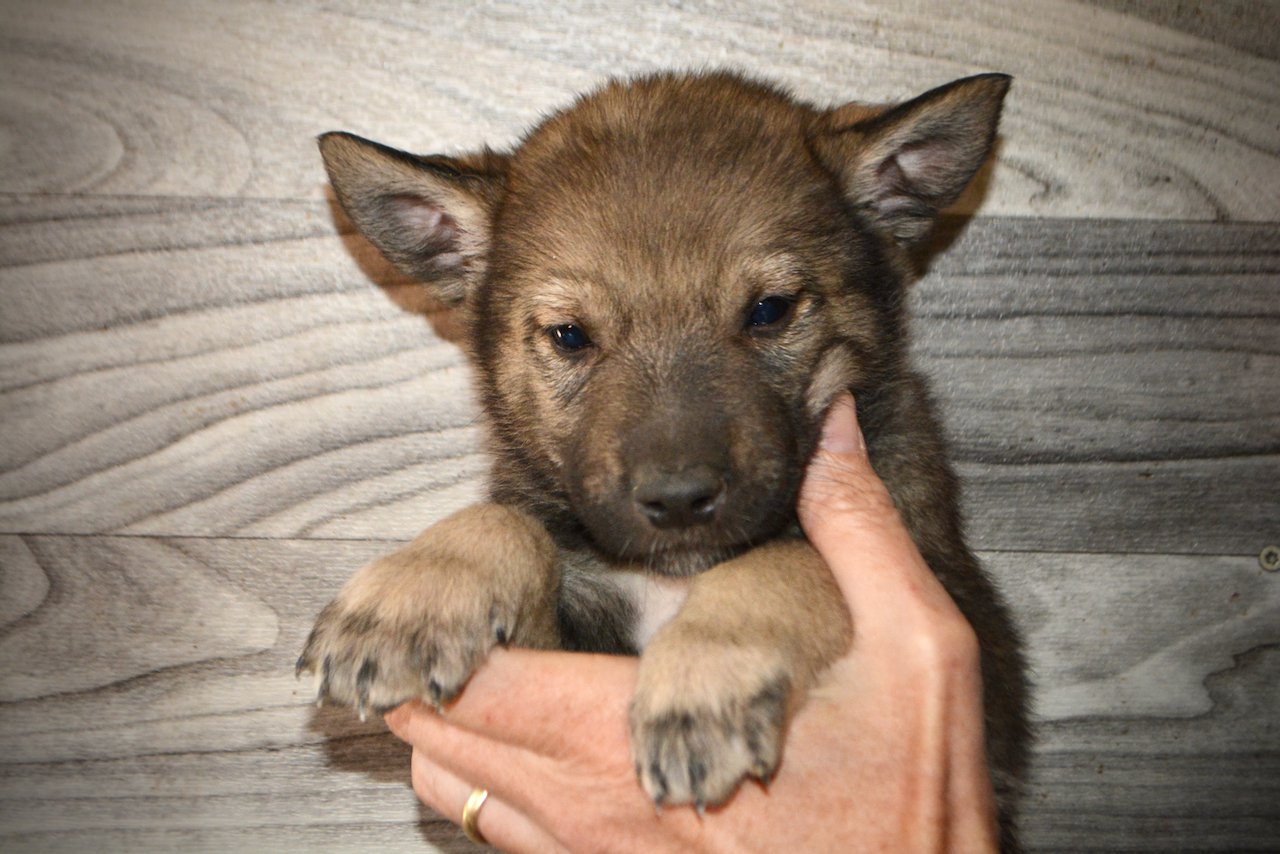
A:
x: 416, y: 623
x: 379, y: 643
x: 705, y: 718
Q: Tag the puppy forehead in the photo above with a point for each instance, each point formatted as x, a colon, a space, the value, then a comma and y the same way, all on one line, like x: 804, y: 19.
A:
x: 663, y: 193
x: 716, y: 114
x: 666, y: 153
x: 620, y: 256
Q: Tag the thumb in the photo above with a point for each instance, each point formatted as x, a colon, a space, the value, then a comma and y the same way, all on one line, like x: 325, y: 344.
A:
x: 841, y: 490
x: 850, y: 518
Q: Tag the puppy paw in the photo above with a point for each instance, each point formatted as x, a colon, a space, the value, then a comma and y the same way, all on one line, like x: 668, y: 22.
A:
x: 376, y: 652
x: 417, y: 623
x: 701, y: 723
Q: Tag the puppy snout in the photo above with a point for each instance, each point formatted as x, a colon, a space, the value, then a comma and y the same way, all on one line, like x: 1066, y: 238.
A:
x: 681, y: 498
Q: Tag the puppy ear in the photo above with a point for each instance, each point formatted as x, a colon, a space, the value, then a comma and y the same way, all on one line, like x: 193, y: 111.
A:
x: 899, y: 166
x: 429, y: 216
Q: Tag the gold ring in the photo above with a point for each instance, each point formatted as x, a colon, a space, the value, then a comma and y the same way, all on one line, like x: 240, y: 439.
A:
x: 471, y: 814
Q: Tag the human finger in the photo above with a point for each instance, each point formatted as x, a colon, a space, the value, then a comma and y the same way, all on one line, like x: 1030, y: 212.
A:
x: 849, y: 516
x: 500, y: 824
x: 588, y: 792
x: 969, y: 786
x: 518, y: 775
x: 529, y: 698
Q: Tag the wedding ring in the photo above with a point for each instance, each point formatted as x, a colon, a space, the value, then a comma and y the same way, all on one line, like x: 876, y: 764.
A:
x: 471, y: 815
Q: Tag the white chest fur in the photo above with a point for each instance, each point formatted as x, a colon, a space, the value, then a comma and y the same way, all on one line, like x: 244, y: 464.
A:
x: 656, y: 600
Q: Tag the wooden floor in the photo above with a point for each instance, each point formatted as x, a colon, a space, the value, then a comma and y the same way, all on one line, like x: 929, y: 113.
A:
x: 214, y: 406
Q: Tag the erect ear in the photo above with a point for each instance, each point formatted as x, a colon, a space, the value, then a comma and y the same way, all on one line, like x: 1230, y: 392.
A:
x: 900, y: 166
x: 430, y: 216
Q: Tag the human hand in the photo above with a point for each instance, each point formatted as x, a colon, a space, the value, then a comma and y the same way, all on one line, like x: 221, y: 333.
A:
x: 887, y: 754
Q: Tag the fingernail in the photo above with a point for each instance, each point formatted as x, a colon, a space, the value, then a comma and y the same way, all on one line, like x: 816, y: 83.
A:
x: 840, y: 432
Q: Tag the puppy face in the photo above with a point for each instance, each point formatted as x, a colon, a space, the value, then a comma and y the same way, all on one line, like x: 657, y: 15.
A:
x: 667, y: 284
x: 663, y: 296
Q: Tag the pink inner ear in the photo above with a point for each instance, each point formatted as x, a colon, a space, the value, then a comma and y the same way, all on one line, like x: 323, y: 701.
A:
x: 893, y: 190
x: 425, y: 219
x: 928, y: 170
x: 915, y: 161
x: 431, y: 226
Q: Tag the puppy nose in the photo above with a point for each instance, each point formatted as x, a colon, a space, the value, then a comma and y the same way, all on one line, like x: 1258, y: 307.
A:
x: 679, y: 499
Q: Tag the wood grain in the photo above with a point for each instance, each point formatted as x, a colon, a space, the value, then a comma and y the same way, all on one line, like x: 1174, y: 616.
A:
x: 1243, y: 24
x: 221, y: 747
x: 1111, y: 115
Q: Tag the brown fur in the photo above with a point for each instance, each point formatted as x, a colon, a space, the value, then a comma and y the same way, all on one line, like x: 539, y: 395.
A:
x: 717, y: 261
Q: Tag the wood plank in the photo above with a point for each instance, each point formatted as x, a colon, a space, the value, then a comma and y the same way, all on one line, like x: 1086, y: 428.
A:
x: 177, y: 368
x: 1145, y: 784
x: 1244, y: 24
x: 1158, y: 682
x: 1112, y: 115
x: 1136, y: 636
x: 1109, y: 385
x: 224, y: 751
x: 243, y: 366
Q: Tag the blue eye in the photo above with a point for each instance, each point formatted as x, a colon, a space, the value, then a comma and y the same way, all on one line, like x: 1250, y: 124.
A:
x: 569, y: 337
x: 770, y: 311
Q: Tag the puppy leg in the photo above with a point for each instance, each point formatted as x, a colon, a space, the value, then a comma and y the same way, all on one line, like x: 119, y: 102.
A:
x: 718, y: 682
x: 417, y: 622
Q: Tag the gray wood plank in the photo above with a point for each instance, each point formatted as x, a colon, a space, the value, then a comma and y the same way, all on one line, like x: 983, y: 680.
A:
x: 219, y: 367
x: 138, y: 727
x: 1245, y: 24
x: 194, y: 733
x: 1207, y: 782
x: 1112, y: 115
x: 1109, y: 385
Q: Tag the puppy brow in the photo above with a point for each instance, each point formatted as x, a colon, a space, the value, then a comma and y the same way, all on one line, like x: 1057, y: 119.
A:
x: 564, y: 296
x: 779, y: 273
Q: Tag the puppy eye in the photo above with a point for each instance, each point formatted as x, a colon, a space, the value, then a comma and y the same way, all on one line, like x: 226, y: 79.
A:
x: 769, y: 312
x: 569, y: 337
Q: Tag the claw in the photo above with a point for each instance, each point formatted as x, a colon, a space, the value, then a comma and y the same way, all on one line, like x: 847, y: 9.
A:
x: 698, y: 776
x: 660, y: 783
x: 368, y: 671
x: 322, y: 693
x: 499, y: 630
x: 304, y: 660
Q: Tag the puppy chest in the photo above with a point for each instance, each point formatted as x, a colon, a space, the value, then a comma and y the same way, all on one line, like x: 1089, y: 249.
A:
x: 654, y: 600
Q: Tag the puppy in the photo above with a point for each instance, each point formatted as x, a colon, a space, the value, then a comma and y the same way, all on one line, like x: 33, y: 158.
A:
x: 665, y: 285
